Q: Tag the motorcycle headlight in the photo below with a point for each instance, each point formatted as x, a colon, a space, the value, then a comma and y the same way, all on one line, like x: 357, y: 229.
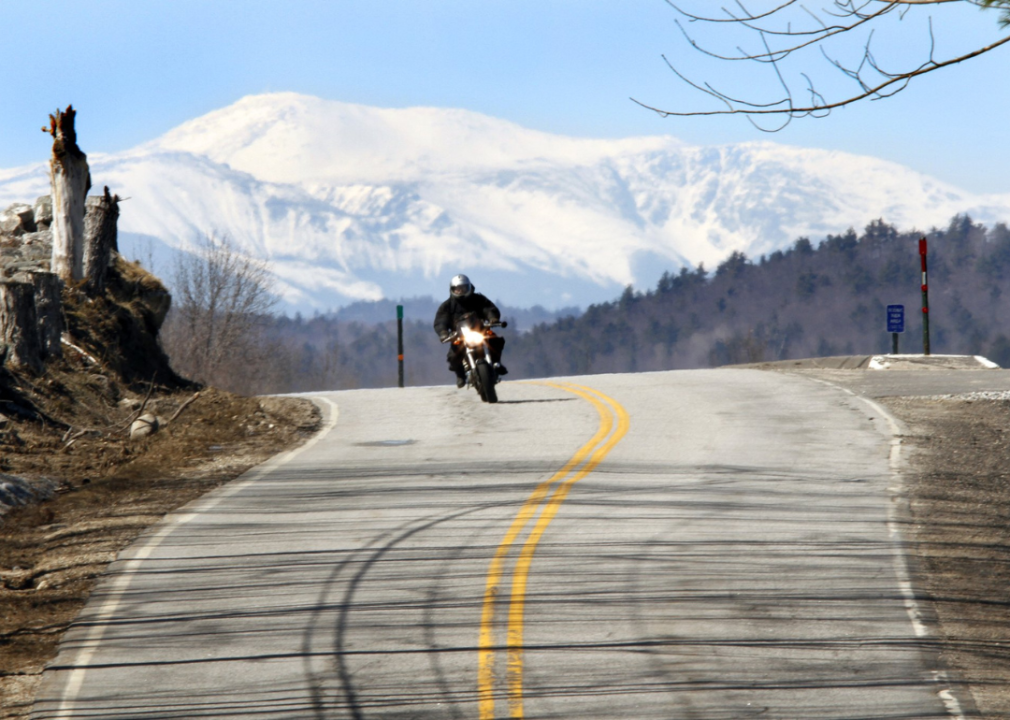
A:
x: 472, y: 338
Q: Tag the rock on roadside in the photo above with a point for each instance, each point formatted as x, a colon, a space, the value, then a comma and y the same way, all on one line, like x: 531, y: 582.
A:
x: 146, y: 424
x: 18, y: 492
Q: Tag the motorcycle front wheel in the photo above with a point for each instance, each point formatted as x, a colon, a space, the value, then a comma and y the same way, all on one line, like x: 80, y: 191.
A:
x: 485, y: 383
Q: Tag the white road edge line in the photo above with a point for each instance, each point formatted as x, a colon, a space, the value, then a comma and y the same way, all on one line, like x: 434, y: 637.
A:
x: 171, y: 523
x: 940, y: 677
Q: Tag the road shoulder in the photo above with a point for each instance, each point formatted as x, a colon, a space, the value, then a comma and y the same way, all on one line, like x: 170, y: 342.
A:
x: 53, y: 553
x: 957, y: 480
x: 957, y: 484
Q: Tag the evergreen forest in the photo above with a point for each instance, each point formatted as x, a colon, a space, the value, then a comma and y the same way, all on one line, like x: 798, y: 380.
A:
x: 804, y: 302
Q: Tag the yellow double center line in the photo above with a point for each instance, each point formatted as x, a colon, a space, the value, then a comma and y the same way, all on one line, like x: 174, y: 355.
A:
x: 613, y: 426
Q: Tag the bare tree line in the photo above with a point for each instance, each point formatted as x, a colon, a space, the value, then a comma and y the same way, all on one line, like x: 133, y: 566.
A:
x: 222, y: 302
x: 222, y: 331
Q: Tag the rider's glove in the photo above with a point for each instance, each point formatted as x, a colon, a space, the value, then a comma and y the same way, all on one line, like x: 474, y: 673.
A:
x: 443, y: 337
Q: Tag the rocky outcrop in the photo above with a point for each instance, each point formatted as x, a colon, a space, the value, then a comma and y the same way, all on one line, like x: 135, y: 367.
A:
x: 26, y: 240
x: 31, y: 320
x: 56, y: 266
x: 43, y: 213
x: 18, y: 492
x: 23, y: 247
x: 26, y: 250
x: 18, y: 219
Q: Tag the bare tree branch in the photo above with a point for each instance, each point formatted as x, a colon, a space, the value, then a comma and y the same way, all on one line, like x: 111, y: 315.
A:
x: 779, y: 40
x: 181, y: 408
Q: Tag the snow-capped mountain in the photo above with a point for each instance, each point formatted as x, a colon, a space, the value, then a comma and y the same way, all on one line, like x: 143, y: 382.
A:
x: 349, y: 202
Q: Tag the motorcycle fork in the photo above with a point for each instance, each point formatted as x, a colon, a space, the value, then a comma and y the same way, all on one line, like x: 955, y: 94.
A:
x: 470, y: 365
x: 472, y: 362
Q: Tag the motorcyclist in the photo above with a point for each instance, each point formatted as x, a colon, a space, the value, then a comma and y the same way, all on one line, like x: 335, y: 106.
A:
x: 463, y: 301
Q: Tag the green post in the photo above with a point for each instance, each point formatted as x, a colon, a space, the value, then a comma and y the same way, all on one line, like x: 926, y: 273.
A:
x: 925, y: 299
x: 399, y: 342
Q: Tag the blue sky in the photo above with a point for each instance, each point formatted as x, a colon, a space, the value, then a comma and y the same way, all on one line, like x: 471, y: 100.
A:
x: 136, y: 69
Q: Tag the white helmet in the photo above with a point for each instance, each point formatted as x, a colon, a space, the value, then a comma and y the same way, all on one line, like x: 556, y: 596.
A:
x: 460, y: 286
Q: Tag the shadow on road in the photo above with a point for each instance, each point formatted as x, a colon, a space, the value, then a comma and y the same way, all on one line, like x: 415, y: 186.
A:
x: 546, y: 400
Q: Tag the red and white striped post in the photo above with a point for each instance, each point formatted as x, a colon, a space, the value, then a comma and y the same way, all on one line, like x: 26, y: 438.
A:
x: 925, y: 299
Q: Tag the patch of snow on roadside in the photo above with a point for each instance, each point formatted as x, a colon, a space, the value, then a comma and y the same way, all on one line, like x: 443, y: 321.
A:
x: 886, y: 362
x: 879, y: 362
x: 998, y: 395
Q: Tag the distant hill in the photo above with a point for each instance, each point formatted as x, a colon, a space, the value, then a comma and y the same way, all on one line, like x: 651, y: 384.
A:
x: 349, y: 202
x: 806, y: 301
x: 423, y: 309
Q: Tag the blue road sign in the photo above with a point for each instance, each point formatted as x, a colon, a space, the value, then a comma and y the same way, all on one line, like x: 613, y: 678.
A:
x: 895, y: 318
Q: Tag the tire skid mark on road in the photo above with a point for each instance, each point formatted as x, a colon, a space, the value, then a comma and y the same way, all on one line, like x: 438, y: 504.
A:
x: 373, y: 553
x: 614, y: 423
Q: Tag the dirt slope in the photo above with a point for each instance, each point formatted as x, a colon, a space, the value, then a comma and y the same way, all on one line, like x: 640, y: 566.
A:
x: 959, y: 491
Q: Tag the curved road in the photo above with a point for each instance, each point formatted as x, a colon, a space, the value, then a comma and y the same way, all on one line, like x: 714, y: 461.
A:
x: 700, y: 544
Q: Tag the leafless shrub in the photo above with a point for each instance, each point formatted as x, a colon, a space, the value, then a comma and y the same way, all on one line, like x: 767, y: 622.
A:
x: 222, y: 301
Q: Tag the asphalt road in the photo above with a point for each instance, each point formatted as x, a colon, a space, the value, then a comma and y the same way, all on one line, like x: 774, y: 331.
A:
x: 701, y: 544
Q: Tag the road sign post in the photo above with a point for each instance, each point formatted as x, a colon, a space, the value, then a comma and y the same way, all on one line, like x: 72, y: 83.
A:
x: 895, y: 324
x: 399, y: 343
x: 925, y: 299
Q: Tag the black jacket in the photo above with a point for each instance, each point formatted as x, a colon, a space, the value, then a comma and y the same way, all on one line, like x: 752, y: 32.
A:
x: 455, y: 307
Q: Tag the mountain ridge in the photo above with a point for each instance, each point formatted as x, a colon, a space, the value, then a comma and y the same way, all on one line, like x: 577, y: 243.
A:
x: 348, y: 202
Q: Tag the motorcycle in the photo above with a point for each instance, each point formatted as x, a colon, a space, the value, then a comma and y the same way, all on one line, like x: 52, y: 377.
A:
x: 473, y: 334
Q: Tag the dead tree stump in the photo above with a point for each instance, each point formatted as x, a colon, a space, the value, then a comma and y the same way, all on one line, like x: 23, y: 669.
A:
x: 48, y: 313
x: 100, y: 238
x: 20, y: 347
x: 71, y: 180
